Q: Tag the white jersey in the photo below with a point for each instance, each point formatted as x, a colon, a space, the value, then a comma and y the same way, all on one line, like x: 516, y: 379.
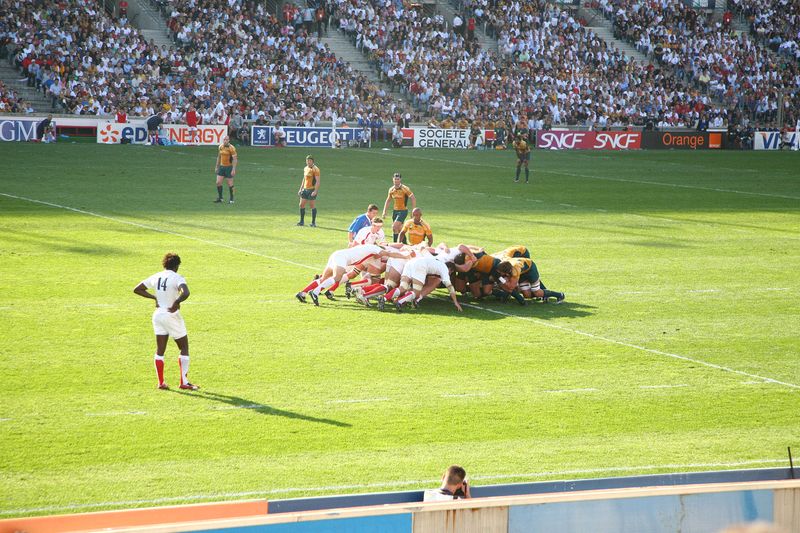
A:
x: 166, y: 285
x: 365, y: 236
x: 422, y: 267
x: 353, y: 256
x: 448, y: 257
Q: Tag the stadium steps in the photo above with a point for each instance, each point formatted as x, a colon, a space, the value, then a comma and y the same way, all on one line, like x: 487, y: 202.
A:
x: 605, y: 30
x: 14, y: 80
x: 448, y: 11
x: 146, y: 18
x: 345, y: 50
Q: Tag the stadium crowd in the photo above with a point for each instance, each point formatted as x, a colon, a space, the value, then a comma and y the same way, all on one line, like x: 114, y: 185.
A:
x: 775, y: 23
x: 11, y: 102
x: 233, y: 60
x: 731, y: 68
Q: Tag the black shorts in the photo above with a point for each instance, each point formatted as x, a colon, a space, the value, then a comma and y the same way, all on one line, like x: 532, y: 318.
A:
x: 399, y: 215
x: 305, y: 194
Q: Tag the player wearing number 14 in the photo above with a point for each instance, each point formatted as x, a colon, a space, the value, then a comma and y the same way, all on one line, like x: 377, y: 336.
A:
x: 170, y: 290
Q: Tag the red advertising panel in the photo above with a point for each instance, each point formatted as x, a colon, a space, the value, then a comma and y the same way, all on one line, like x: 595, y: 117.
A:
x: 589, y: 140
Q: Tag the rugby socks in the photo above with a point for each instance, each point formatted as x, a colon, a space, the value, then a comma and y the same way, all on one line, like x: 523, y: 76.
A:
x: 183, y: 360
x: 219, y: 192
x: 518, y: 169
x: 526, y: 174
x: 314, y: 215
x: 359, y: 282
x: 159, y: 362
x: 324, y: 285
x: 374, y: 290
x: 230, y: 190
x: 334, y: 287
x: 550, y: 294
x: 302, y: 215
x: 394, y: 237
x: 407, y: 297
x: 311, y: 286
x: 391, y: 293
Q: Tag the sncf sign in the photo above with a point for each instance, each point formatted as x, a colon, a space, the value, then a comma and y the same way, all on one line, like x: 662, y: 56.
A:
x: 589, y: 140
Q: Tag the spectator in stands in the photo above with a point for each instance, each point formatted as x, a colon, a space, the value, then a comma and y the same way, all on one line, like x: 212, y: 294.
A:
x: 454, y: 486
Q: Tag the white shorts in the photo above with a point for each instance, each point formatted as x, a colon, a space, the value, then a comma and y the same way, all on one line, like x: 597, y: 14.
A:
x: 396, y: 263
x: 166, y: 323
x: 338, y: 259
x: 417, y: 272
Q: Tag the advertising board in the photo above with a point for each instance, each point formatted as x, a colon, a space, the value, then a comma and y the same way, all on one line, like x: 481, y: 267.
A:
x: 302, y: 136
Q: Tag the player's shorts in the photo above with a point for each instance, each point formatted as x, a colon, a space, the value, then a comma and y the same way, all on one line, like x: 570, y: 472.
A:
x: 305, y: 194
x: 396, y: 263
x: 338, y: 259
x: 531, y: 276
x: 166, y: 323
x: 224, y: 171
x: 524, y: 158
x: 399, y: 215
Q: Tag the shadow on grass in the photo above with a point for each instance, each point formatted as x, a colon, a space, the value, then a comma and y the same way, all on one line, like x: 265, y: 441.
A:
x: 240, y: 403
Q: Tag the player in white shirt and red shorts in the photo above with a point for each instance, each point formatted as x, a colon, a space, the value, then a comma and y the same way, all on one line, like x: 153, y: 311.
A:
x: 170, y: 290
x: 338, y: 264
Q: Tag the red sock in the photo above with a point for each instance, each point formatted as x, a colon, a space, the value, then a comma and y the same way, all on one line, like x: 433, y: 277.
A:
x: 407, y: 297
x: 311, y: 286
x: 359, y: 282
x: 391, y: 293
x: 373, y: 290
x: 159, y: 361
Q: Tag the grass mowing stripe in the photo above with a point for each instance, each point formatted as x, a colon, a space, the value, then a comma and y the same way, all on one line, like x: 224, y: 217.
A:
x: 635, y: 346
x: 605, y: 178
x: 417, y: 482
x: 540, y: 322
x: 153, y: 228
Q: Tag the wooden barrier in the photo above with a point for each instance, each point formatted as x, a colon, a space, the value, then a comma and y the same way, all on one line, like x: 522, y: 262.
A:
x: 490, y: 515
x: 134, y: 517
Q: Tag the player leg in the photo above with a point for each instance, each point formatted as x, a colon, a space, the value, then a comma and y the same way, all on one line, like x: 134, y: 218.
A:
x: 313, y: 203
x: 397, y: 225
x: 527, y: 160
x: 411, y: 295
x: 431, y: 283
x: 158, y: 359
x: 519, y: 166
x: 230, y: 189
x: 326, y: 282
x: 302, y: 212
x: 183, y: 359
x: 219, y: 189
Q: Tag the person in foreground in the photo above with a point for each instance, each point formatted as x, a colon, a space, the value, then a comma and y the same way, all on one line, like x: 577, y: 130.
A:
x: 170, y: 290
x: 454, y: 486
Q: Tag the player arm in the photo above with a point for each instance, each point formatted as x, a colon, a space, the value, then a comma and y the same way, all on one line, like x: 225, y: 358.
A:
x: 216, y: 165
x: 430, y: 238
x: 413, y: 201
x: 396, y: 254
x: 182, y: 296
x: 141, y: 290
x: 316, y: 185
x: 467, y: 251
x: 510, y: 284
x: 454, y: 297
x: 235, y: 161
x: 386, y: 205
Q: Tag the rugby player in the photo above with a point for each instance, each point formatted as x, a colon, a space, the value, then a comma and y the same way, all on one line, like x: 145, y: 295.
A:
x: 309, y: 188
x: 415, y: 275
x: 225, y: 168
x: 417, y: 229
x: 400, y: 194
x: 523, y: 156
x: 361, y: 221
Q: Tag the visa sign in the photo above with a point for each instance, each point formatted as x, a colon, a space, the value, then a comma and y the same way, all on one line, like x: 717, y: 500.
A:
x: 301, y: 136
x: 17, y: 130
x: 771, y: 140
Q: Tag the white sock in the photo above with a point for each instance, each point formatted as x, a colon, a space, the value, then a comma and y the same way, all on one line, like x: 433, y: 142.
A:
x: 183, y: 360
x: 324, y: 285
x: 406, y: 299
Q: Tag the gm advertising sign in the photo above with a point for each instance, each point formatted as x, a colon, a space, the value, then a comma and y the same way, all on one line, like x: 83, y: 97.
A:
x: 17, y: 130
x: 301, y: 136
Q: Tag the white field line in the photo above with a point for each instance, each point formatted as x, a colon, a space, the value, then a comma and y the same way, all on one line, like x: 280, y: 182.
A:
x: 704, y: 290
x: 6, y: 419
x: 536, y: 321
x: 635, y: 346
x: 466, y: 395
x: 119, y: 413
x: 668, y: 386
x: 605, y: 178
x: 560, y: 391
x: 245, y: 406
x: 421, y: 483
x: 364, y: 400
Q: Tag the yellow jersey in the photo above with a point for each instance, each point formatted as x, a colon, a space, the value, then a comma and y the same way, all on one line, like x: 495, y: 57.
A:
x: 226, y: 155
x: 519, y: 265
x: 400, y: 197
x: 485, y: 263
x: 514, y: 251
x: 310, y: 175
x: 521, y: 147
x: 416, y: 233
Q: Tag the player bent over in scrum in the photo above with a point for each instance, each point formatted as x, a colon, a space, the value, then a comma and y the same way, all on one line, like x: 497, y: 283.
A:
x: 416, y: 273
x: 338, y: 262
x: 520, y: 275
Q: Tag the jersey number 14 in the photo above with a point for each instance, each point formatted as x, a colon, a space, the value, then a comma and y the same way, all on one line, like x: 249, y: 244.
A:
x: 161, y: 286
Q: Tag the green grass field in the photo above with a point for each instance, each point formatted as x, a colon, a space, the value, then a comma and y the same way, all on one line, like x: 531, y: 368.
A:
x: 677, y: 348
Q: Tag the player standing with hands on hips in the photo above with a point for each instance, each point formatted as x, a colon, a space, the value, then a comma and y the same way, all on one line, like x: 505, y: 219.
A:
x: 170, y: 290
x: 309, y: 187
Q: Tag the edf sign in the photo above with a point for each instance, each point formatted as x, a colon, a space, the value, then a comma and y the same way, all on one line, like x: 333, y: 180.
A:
x: 17, y: 130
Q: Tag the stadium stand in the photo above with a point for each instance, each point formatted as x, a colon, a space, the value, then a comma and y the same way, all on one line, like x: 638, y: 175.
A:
x: 731, y: 68
x: 777, y: 24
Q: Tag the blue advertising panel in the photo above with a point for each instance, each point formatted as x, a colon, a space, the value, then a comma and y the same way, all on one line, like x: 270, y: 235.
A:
x: 397, y: 523
x: 301, y: 136
x: 17, y: 130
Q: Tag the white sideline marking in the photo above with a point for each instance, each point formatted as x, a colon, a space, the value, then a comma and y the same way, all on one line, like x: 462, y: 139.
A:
x: 220, y: 496
x: 365, y: 400
x: 571, y: 390
x: 570, y: 205
x: 536, y: 321
x: 669, y: 386
x: 466, y: 395
x: 119, y: 413
x: 158, y: 230
x: 634, y: 346
x: 6, y: 419
x: 704, y: 290
x: 245, y: 406
x: 644, y: 182
x: 506, y: 197
x: 776, y: 289
x: 453, y: 190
